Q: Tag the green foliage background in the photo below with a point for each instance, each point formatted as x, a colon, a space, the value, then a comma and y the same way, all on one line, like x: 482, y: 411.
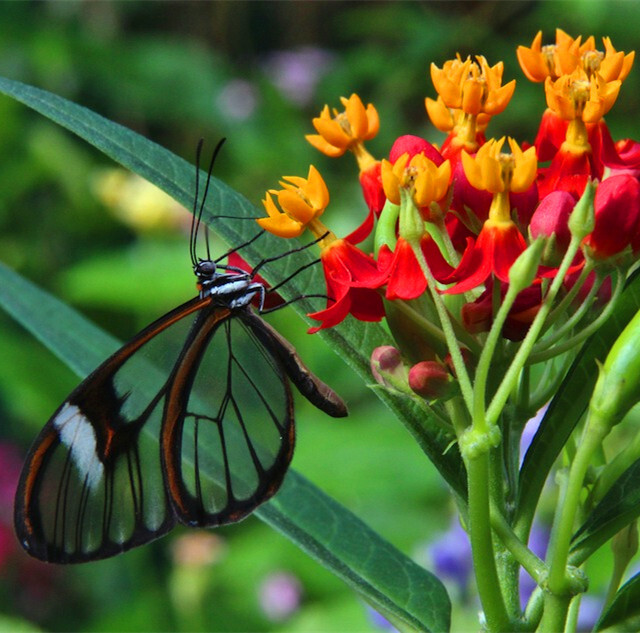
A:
x: 161, y: 69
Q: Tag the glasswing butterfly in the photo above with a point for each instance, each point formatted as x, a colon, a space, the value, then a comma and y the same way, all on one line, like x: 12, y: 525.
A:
x: 134, y: 449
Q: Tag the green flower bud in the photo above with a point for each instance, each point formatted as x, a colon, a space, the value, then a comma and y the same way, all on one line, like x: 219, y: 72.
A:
x: 582, y: 219
x: 411, y: 227
x: 618, y: 385
x: 386, y: 227
x: 524, y: 270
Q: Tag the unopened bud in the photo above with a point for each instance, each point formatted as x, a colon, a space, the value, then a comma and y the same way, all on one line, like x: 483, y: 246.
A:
x: 582, y: 218
x: 431, y: 380
x: 618, y: 385
x: 387, y: 366
x: 524, y: 270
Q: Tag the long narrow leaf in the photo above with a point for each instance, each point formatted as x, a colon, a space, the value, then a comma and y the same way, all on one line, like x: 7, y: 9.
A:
x: 623, y: 614
x: 618, y: 508
x: 353, y: 341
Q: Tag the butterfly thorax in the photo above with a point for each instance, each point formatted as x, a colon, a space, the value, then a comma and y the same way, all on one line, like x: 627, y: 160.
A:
x: 234, y: 289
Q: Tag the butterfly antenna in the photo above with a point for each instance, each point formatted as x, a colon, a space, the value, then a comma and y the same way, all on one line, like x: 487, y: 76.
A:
x: 198, y: 210
x: 195, y: 221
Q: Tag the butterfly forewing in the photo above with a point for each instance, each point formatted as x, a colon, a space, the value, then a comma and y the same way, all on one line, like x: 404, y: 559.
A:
x: 229, y: 438
x: 93, y: 485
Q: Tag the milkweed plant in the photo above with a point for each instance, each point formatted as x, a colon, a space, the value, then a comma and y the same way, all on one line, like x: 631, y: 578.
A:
x: 505, y: 274
x: 493, y: 262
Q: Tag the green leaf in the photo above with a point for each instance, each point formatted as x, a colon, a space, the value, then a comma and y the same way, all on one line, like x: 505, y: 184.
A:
x: 353, y: 341
x: 623, y: 614
x: 570, y: 402
x: 618, y: 508
x: 318, y: 524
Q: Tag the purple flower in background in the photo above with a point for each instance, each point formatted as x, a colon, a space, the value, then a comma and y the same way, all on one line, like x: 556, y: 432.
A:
x: 296, y: 72
x: 279, y: 595
x: 238, y: 99
x: 451, y: 556
x: 590, y: 608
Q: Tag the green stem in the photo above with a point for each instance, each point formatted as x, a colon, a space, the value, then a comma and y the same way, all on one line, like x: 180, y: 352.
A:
x: 511, y: 377
x: 585, y: 332
x: 571, y: 322
x: 557, y: 600
x: 457, y: 414
x: 484, y: 562
x: 572, y: 616
x: 554, y: 615
x: 560, y: 309
x: 445, y: 321
x: 534, y: 566
x: 482, y: 371
x: 612, y: 471
x: 444, y: 240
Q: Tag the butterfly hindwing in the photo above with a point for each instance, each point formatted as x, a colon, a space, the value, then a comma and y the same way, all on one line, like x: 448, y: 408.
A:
x: 229, y: 413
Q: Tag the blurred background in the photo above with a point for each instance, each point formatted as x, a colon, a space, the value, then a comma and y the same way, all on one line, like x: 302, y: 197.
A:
x: 93, y: 234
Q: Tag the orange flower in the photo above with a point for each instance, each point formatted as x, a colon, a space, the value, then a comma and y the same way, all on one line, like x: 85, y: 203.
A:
x: 568, y: 54
x: 301, y: 201
x: 472, y: 86
x: 422, y: 178
x: 491, y: 170
x: 342, y: 131
x: 576, y: 96
x: 500, y: 242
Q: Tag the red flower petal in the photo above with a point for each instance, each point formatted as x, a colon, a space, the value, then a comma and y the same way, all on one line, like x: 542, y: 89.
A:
x: 497, y: 247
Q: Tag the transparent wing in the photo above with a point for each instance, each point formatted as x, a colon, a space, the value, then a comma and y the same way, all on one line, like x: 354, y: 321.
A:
x: 213, y: 392
x: 92, y: 485
x: 228, y: 432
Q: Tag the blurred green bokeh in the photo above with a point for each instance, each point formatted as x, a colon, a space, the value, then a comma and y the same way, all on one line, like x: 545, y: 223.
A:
x: 255, y: 73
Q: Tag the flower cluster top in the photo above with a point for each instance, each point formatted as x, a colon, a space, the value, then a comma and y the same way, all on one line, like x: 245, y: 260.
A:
x: 453, y: 219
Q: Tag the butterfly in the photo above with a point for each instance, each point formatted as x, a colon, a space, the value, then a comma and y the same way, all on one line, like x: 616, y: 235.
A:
x: 136, y: 449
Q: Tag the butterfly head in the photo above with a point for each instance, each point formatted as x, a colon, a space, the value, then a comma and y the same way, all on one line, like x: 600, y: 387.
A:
x: 205, y: 270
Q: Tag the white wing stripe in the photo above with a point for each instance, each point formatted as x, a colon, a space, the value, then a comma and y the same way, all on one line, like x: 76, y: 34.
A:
x: 76, y: 432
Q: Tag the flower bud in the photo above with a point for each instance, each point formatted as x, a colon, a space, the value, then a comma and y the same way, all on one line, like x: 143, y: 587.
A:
x: 617, y: 215
x: 581, y: 220
x: 387, y: 367
x: 431, y: 380
x: 618, y: 385
x: 552, y: 218
x: 413, y: 145
x: 524, y: 270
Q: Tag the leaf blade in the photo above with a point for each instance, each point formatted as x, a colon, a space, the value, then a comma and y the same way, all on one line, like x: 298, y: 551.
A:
x: 623, y: 614
x: 619, y: 507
